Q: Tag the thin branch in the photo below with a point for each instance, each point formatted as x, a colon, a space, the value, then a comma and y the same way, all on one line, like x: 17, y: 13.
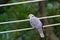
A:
x: 28, y: 19
x: 19, y: 3
x: 28, y: 28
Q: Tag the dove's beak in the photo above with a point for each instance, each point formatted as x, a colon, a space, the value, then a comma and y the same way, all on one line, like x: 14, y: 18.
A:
x: 29, y: 16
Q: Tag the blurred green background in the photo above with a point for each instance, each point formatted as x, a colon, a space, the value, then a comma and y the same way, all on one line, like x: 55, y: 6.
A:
x: 20, y: 12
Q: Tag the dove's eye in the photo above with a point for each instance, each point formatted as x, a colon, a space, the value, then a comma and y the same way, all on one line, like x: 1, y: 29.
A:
x: 32, y: 16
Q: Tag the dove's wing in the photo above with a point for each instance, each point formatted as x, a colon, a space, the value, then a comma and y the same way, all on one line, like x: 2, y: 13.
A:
x: 35, y: 22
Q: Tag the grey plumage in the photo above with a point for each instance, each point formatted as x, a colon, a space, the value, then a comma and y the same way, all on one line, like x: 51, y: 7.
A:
x: 36, y: 23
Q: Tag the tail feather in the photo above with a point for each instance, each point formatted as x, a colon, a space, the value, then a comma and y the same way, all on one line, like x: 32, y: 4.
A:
x: 41, y: 33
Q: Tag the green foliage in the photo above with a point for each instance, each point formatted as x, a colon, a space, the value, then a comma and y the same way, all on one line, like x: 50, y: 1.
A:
x: 20, y: 12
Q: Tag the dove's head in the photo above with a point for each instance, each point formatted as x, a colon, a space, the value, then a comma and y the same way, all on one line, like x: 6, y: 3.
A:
x: 31, y: 15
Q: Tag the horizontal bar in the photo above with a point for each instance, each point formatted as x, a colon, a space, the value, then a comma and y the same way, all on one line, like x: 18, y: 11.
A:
x: 28, y: 19
x: 28, y: 28
x: 52, y: 25
x: 19, y: 3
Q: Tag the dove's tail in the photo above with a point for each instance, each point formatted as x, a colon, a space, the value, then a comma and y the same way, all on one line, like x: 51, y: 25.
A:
x: 41, y: 33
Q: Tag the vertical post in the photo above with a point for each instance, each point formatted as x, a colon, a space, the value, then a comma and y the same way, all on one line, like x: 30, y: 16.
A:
x: 48, y: 30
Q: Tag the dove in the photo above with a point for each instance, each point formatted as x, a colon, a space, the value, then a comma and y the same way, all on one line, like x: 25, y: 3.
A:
x: 37, y: 24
